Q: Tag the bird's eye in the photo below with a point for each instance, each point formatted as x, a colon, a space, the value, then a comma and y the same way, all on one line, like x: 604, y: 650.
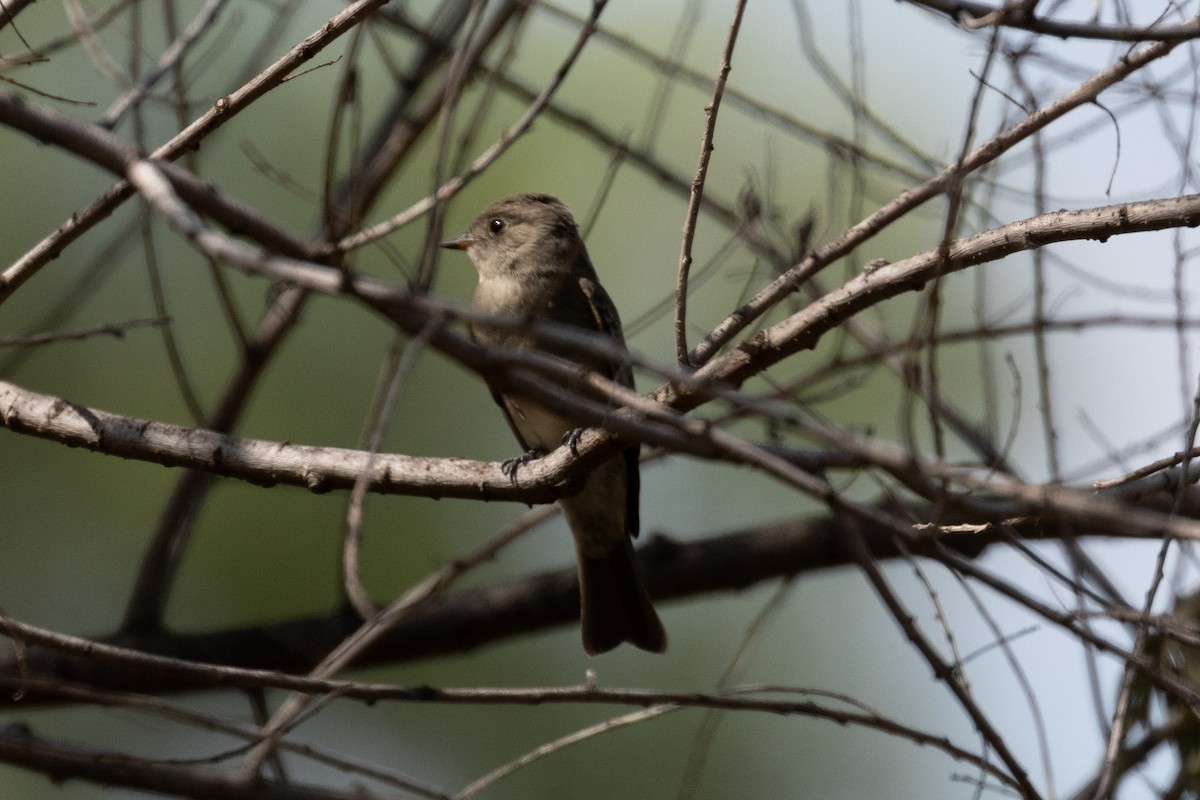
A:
x: 496, y: 226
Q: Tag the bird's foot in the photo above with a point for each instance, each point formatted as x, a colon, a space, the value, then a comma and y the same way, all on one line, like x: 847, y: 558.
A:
x: 571, y: 439
x: 510, y: 466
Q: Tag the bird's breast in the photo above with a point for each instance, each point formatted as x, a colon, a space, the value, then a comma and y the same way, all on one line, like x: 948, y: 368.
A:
x: 502, y: 295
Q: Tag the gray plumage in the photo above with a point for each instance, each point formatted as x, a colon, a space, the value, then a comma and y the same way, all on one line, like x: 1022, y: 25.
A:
x: 533, y: 263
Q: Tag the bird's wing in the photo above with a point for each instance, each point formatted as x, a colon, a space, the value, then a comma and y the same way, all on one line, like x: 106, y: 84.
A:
x: 508, y: 417
x: 604, y: 312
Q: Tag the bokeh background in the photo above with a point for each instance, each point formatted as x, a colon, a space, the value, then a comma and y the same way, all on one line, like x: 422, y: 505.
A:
x: 73, y: 524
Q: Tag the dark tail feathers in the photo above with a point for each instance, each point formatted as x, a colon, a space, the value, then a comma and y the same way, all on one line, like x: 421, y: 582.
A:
x: 614, y: 604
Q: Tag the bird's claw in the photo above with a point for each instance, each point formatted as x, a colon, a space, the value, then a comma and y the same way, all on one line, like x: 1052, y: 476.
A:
x: 571, y: 440
x: 510, y: 466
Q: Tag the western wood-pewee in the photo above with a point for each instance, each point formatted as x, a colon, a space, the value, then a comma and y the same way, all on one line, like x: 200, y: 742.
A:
x: 532, y: 263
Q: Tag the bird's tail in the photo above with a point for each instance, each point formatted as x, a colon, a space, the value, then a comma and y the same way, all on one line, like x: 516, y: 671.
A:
x: 614, y: 605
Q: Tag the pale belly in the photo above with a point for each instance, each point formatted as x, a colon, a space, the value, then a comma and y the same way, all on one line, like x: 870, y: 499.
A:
x: 540, y: 429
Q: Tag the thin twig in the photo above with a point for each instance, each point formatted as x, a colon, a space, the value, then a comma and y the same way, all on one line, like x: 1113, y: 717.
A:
x: 399, y: 370
x: 455, y: 184
x: 696, y: 195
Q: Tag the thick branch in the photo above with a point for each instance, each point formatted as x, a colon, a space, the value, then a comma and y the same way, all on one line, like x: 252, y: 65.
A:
x: 804, y: 329
x: 267, y: 463
x: 471, y: 618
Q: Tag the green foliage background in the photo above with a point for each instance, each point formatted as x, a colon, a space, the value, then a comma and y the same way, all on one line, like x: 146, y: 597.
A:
x: 73, y: 524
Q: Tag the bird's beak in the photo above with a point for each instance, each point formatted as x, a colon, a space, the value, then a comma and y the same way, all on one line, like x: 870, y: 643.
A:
x: 463, y: 242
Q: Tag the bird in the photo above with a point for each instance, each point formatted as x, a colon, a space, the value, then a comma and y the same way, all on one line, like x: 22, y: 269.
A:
x: 533, y: 264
